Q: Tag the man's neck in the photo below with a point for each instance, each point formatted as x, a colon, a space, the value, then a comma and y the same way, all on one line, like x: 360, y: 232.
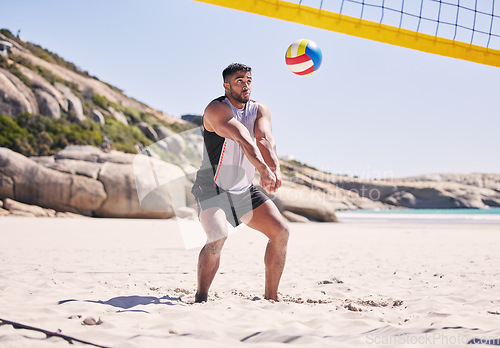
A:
x: 236, y: 103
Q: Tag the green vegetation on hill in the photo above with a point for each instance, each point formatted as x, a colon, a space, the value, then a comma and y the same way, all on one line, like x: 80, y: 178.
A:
x: 135, y: 116
x: 38, y: 135
x: 124, y: 138
x: 300, y: 164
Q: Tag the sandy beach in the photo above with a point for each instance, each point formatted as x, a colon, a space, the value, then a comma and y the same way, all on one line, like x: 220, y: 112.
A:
x: 345, y: 285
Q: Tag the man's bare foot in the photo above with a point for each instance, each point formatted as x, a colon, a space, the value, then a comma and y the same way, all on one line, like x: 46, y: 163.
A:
x: 272, y: 298
x: 199, y: 298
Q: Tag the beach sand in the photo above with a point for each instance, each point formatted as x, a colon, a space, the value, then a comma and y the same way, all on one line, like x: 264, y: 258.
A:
x: 345, y: 285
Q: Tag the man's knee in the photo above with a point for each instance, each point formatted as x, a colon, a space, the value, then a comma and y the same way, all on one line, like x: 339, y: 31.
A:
x: 215, y: 246
x: 285, y: 232
x: 282, y: 232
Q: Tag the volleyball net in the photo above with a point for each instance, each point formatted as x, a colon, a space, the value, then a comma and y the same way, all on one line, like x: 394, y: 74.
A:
x: 463, y: 29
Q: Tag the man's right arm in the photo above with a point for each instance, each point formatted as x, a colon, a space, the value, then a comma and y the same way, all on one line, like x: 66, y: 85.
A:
x: 220, y: 119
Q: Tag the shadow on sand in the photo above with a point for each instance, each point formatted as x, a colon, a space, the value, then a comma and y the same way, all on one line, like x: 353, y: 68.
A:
x: 125, y: 303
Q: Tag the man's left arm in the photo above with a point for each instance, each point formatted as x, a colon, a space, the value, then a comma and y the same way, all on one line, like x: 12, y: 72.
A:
x: 265, y: 142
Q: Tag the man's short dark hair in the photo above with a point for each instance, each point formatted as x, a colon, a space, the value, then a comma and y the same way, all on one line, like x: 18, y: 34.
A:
x: 234, y: 67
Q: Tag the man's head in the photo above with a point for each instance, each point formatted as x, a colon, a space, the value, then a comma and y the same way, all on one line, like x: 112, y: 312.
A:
x: 238, y: 82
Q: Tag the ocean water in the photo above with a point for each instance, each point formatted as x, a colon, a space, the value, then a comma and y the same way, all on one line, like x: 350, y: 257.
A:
x: 470, y: 216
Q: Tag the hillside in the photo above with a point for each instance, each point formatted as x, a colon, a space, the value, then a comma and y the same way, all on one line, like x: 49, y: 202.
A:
x: 47, y: 103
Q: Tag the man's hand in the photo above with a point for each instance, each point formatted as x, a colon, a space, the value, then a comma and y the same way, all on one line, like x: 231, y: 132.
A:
x: 268, y: 180
x: 278, y: 183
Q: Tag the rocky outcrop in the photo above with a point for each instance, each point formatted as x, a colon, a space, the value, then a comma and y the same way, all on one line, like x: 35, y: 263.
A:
x: 92, y: 154
x: 124, y: 177
x: 161, y: 186
x: 452, y: 191
x: 491, y: 181
x: 48, y: 104
x: 163, y: 132
x: 86, y: 180
x: 98, y: 116
x: 148, y: 131
x: 40, y: 83
x: 14, y: 208
x: 17, y: 208
x: 122, y: 201
x: 306, y: 202
x: 74, y: 103
x: 292, y: 217
x: 26, y: 181
x: 315, y: 180
x: 15, y: 96
x: 74, y: 167
x: 175, y: 144
x: 89, y: 181
x: 6, y: 186
x: 431, y: 195
x: 118, y: 115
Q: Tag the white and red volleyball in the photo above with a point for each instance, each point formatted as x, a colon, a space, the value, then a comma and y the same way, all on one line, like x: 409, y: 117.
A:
x: 303, y: 57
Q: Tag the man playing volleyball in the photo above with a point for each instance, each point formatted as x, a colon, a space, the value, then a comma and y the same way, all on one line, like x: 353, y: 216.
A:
x: 223, y: 188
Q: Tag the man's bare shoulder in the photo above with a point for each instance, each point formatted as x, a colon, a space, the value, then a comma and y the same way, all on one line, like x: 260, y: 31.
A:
x: 216, y: 107
x: 215, y: 113
x: 263, y: 110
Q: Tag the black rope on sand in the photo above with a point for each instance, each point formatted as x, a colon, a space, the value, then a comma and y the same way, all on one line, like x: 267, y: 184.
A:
x: 49, y: 334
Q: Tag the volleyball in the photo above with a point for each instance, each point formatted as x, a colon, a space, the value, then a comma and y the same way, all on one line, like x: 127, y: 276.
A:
x: 303, y: 57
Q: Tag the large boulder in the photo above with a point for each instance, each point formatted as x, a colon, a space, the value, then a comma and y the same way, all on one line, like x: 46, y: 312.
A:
x: 135, y: 190
x: 26, y: 181
x: 163, y: 132
x: 15, y: 207
x: 89, y: 153
x: 118, y: 115
x: 161, y: 186
x: 88, y: 169
x: 98, y: 116
x: 148, y: 131
x: 126, y: 186
x: 74, y: 103
x: 292, y: 217
x: 15, y: 96
x: 6, y: 185
x: 48, y: 104
x: 175, y: 144
x: 85, y: 153
x: 41, y: 83
x: 306, y: 202
x: 131, y: 189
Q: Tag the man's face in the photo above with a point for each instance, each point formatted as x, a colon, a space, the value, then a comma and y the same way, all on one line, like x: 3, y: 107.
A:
x: 239, y: 86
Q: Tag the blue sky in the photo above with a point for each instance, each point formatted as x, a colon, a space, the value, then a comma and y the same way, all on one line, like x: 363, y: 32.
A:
x: 371, y: 110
